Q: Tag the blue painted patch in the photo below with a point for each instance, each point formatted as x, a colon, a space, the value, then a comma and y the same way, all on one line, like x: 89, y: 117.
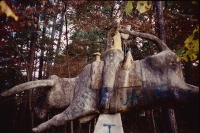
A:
x: 109, y: 127
x: 144, y: 97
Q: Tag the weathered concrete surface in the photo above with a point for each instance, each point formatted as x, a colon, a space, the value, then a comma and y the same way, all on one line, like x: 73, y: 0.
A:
x: 108, y: 123
x: 112, y: 60
x: 143, y: 84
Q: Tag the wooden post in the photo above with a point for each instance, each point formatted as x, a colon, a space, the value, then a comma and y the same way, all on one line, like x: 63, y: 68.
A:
x: 97, y: 54
x: 72, y: 127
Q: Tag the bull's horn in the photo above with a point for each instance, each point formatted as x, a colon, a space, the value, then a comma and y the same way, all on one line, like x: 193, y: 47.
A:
x: 27, y: 86
x: 159, y: 43
x: 128, y: 61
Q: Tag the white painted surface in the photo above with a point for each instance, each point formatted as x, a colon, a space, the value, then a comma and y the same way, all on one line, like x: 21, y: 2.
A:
x: 107, y: 120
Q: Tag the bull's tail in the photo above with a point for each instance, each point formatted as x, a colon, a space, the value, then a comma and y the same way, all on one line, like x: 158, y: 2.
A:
x: 27, y: 86
x: 193, y: 88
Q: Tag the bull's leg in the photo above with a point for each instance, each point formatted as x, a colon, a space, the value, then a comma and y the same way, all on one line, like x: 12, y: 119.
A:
x: 62, y: 118
x: 55, y: 121
x: 85, y: 103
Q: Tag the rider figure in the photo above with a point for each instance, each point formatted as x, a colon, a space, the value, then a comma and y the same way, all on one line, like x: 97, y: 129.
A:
x: 113, y: 57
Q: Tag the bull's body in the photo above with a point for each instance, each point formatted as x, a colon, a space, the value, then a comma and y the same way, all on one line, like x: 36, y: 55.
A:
x: 153, y: 81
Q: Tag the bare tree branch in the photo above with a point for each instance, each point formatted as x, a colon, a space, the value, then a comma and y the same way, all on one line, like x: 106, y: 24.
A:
x: 159, y: 43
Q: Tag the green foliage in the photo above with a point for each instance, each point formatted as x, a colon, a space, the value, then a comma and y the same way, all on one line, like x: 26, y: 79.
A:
x: 192, y: 46
x: 180, y: 51
x: 69, y: 22
x: 87, y: 42
x: 128, y: 7
x: 143, y: 6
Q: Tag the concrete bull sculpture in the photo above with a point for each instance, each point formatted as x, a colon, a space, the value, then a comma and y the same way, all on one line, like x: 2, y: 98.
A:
x: 141, y: 84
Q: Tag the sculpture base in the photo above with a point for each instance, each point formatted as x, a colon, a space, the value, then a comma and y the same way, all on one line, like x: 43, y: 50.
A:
x: 108, y: 123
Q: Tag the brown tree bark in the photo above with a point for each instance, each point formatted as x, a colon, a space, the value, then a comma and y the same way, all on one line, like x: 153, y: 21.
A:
x: 160, y: 21
x: 27, y: 94
x: 169, y: 113
x: 50, y: 46
x: 31, y: 67
x: 42, y: 49
x: 60, y: 34
x: 188, y: 67
x: 67, y: 52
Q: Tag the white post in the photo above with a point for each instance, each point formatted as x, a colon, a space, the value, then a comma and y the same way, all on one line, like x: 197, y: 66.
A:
x: 108, y: 123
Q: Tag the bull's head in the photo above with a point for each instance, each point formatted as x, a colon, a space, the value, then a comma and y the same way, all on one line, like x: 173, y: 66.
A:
x: 58, y: 96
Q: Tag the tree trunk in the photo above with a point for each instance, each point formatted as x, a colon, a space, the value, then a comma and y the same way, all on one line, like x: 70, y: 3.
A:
x: 42, y: 49
x: 160, y: 21
x: 153, y: 121
x: 22, y: 117
x: 60, y: 34
x: 32, y: 55
x: 67, y: 52
x: 171, y: 120
x: 72, y: 127
x: 27, y: 94
x: 50, y: 48
x: 188, y: 68
x: 41, y: 64
x: 169, y: 113
x: 31, y: 66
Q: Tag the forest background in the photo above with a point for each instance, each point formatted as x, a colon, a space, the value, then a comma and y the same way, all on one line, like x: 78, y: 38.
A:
x: 59, y: 37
